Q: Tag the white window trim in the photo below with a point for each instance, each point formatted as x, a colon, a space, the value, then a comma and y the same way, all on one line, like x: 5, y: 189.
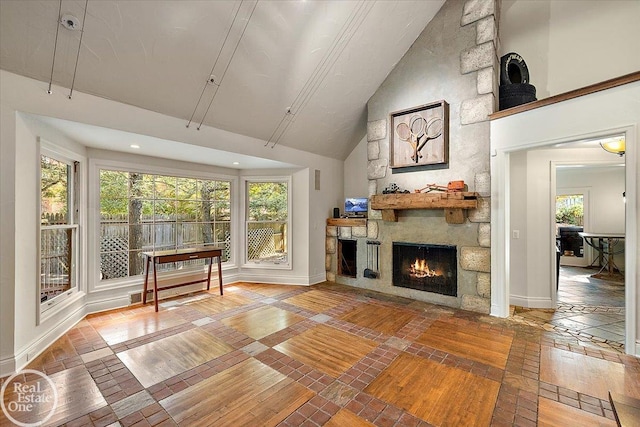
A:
x: 243, y: 209
x: 45, y: 311
x: 95, y: 165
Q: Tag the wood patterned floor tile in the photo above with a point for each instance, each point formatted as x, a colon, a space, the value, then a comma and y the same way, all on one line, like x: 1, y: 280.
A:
x: 327, y: 349
x: 77, y: 395
x: 387, y: 320
x: 120, y: 329
x: 218, y: 304
x: 588, y: 375
x: 247, y: 394
x: 471, y: 342
x: 556, y: 414
x: 317, y: 300
x: 59, y: 350
x: 266, y: 289
x: 262, y: 321
x: 344, y: 418
x: 439, y: 394
x: 170, y: 356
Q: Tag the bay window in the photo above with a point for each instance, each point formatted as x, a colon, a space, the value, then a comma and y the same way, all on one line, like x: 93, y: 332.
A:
x: 142, y: 212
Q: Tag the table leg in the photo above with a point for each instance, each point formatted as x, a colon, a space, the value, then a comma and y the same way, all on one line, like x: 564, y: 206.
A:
x: 146, y: 280
x: 209, y: 274
x: 220, y: 273
x: 155, y: 284
x: 610, y: 256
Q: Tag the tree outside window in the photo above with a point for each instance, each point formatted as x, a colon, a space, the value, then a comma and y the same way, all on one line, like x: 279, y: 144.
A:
x: 267, y: 221
x: 145, y: 212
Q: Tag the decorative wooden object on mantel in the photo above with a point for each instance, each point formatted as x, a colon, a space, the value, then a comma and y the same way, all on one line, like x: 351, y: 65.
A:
x: 453, y: 204
x: 347, y: 222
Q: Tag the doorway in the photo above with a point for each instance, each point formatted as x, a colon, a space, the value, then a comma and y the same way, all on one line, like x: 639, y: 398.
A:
x: 589, y: 304
x: 546, y: 126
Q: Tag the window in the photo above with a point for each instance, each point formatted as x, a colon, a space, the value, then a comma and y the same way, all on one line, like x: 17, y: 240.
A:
x: 58, y: 229
x: 145, y: 212
x: 267, y: 222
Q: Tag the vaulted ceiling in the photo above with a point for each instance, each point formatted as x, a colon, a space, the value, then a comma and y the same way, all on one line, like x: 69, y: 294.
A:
x: 296, y: 73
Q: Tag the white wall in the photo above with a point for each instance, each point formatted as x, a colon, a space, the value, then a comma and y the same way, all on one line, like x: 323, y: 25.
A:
x: 7, y: 236
x: 355, y: 172
x: 19, y: 334
x: 615, y: 110
x: 569, y: 44
x: 519, y: 217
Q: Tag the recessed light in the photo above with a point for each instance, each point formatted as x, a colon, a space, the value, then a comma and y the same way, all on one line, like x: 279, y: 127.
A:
x: 134, y: 146
x: 236, y: 163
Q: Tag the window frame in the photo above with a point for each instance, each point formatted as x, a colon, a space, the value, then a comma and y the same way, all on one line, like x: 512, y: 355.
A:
x: 95, y: 166
x: 246, y: 263
x: 76, y: 191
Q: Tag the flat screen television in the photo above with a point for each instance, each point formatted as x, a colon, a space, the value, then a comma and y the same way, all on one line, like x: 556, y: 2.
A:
x: 356, y: 205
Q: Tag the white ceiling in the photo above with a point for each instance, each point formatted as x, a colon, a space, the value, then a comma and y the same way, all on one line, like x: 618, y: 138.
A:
x: 322, y: 59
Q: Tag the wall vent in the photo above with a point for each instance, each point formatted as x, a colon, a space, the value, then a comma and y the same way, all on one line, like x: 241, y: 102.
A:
x: 136, y: 297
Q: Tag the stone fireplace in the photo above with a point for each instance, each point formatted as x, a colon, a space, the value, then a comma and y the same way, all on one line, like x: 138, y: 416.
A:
x: 455, y: 60
x: 431, y: 268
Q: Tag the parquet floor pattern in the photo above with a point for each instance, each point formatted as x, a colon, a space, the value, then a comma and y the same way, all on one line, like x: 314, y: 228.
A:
x: 323, y: 355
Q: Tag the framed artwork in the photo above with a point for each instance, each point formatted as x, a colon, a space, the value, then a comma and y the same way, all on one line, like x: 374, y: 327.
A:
x: 420, y: 136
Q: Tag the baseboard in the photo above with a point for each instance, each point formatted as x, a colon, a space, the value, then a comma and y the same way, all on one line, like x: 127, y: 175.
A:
x: 318, y: 278
x: 7, y: 366
x: 273, y: 279
x: 28, y: 353
x: 496, y: 311
x: 531, y: 302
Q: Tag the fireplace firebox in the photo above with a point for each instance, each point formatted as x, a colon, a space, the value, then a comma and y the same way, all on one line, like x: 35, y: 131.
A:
x: 431, y: 268
x: 347, y: 253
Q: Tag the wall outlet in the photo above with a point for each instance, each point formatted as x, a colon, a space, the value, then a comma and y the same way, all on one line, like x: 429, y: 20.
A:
x: 515, y: 234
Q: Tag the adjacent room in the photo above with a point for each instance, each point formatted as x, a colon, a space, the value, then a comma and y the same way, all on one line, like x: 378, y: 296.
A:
x: 319, y: 212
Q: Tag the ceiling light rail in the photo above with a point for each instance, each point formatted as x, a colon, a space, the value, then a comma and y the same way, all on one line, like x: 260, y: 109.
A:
x: 75, y: 69
x: 55, y: 47
x: 69, y: 22
x: 342, y: 39
x: 212, y: 80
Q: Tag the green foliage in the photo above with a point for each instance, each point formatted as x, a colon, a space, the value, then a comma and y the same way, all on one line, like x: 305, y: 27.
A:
x: 267, y: 201
x: 54, y: 176
x: 187, y: 198
x: 114, y: 192
x: 570, y: 215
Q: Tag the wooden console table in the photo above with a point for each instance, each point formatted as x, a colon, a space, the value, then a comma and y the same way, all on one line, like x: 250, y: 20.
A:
x: 176, y: 255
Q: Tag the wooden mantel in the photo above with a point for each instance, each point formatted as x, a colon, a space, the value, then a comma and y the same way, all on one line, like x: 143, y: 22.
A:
x: 453, y: 204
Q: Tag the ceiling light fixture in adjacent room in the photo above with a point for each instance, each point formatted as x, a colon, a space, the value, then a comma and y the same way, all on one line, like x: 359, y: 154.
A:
x: 614, y: 145
x: 134, y: 146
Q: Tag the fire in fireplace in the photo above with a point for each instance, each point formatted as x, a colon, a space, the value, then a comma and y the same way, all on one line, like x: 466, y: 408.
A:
x: 431, y: 268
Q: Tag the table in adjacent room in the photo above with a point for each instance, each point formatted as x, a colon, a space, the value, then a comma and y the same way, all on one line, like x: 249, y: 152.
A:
x: 607, y: 244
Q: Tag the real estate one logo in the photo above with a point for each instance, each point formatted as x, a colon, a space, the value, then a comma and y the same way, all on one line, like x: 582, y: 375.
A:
x: 23, y: 401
